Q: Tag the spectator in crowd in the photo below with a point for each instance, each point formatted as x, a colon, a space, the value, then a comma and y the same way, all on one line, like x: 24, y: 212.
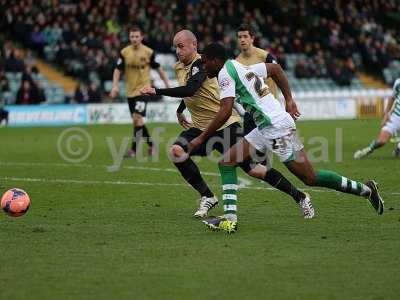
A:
x: 301, y: 69
x: 14, y: 62
x: 27, y: 93
x: 80, y: 94
x: 41, y: 96
x: 4, y: 84
x: 94, y: 93
x: 37, y: 39
x: 342, y: 71
x: 83, y: 35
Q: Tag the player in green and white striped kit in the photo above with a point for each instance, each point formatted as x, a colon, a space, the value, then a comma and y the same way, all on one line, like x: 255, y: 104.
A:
x: 390, y: 125
x: 275, y: 131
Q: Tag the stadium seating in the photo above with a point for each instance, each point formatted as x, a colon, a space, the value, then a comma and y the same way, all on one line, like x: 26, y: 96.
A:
x: 84, y: 46
x: 54, y: 92
x: 392, y: 72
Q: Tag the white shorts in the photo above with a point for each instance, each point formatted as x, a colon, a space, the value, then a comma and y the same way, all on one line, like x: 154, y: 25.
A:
x: 285, y: 143
x: 392, y: 125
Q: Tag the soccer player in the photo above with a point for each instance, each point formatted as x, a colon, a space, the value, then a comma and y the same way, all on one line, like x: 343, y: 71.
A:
x: 390, y: 125
x: 275, y: 131
x: 135, y: 61
x: 251, y: 55
x: 201, y: 97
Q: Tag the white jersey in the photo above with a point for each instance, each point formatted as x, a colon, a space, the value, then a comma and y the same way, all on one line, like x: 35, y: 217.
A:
x: 246, y: 84
x: 396, y: 96
x: 393, y: 124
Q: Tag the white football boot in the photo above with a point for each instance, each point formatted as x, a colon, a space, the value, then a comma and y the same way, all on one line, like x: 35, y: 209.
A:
x: 362, y: 153
x: 306, y: 207
x: 205, y: 204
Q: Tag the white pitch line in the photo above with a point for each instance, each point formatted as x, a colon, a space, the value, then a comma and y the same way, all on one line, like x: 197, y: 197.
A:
x: 55, y: 180
x: 243, y: 182
x: 109, y: 182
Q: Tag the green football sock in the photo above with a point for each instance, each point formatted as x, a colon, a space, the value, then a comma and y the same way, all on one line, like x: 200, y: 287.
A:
x: 229, y: 187
x: 340, y: 183
x: 374, y: 145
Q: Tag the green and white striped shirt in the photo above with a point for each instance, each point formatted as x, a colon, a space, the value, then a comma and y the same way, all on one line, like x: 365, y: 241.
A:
x: 246, y: 85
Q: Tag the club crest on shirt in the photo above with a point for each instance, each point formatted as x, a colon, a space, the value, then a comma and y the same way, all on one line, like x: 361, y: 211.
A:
x: 195, y: 70
x: 224, y: 83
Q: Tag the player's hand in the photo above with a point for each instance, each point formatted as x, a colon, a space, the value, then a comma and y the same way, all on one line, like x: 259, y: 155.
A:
x: 183, y: 121
x: 196, y: 142
x: 114, y: 92
x: 291, y: 108
x: 147, y: 90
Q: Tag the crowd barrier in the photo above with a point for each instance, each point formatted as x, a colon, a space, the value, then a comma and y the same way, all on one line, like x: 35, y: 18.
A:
x: 313, y: 106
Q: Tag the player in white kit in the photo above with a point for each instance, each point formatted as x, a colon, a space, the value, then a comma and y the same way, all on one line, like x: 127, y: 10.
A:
x: 275, y: 131
x: 390, y: 125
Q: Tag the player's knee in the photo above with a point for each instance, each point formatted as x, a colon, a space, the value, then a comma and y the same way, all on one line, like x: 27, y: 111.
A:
x: 383, y: 140
x: 258, y: 171
x: 137, y: 120
x: 255, y: 173
x: 176, y: 151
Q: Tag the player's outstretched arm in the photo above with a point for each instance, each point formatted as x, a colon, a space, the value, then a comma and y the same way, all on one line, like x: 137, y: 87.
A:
x: 276, y: 72
x: 222, y: 116
x: 195, y: 81
x: 188, y: 90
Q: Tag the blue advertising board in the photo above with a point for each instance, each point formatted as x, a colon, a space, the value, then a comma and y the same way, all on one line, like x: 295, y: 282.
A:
x: 46, y: 115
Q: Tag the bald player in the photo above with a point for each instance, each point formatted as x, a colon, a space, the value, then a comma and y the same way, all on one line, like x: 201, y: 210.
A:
x: 201, y: 97
x: 251, y: 55
x: 135, y: 61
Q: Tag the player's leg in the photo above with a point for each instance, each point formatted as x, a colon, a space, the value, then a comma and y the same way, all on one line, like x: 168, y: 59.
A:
x: 132, y: 151
x: 303, y: 169
x: 140, y: 114
x: 269, y: 175
x: 138, y: 107
x: 248, y: 126
x: 260, y: 170
x: 227, y: 167
x: 190, y: 172
x: 383, y: 137
x: 387, y: 131
x: 235, y: 155
x: 272, y: 176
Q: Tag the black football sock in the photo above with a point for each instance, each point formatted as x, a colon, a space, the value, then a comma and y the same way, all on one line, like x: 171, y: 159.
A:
x: 277, y: 180
x: 192, y: 175
x: 147, y: 136
x: 137, y: 135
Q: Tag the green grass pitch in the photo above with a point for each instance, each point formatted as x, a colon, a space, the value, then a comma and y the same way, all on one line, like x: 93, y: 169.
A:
x: 129, y: 234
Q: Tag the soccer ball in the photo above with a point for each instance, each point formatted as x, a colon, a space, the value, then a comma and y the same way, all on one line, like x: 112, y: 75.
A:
x: 15, y: 202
